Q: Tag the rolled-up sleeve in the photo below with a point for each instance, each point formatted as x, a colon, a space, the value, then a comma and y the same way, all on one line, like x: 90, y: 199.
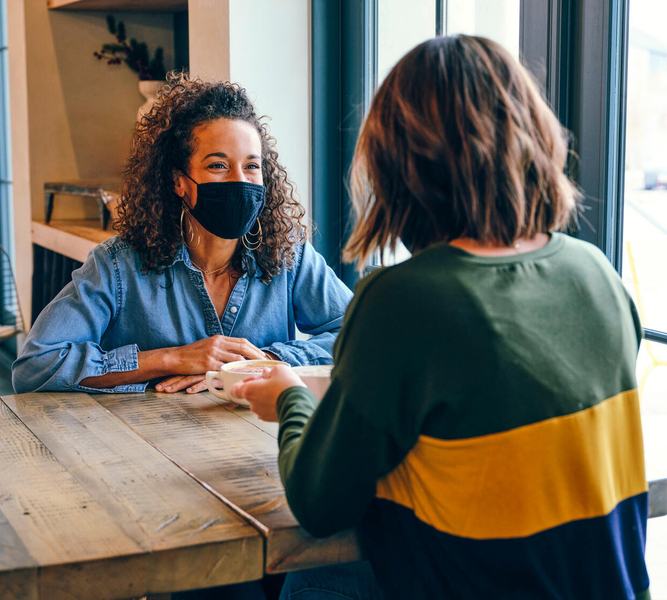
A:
x: 63, y: 346
x: 319, y: 301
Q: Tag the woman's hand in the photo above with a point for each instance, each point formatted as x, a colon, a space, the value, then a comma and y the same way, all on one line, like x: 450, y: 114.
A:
x: 262, y: 391
x: 210, y: 354
x: 193, y: 383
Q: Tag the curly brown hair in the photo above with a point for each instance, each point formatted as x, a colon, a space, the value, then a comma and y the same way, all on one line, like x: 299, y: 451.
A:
x: 149, y: 213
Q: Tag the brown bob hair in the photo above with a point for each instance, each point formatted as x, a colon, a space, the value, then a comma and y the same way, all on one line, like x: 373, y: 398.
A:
x: 458, y: 143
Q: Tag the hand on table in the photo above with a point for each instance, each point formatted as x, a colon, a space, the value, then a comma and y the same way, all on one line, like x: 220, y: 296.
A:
x: 189, y: 363
x: 210, y: 353
x: 262, y: 391
x: 193, y: 383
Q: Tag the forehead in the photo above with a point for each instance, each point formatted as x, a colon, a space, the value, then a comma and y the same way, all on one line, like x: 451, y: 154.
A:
x: 226, y: 135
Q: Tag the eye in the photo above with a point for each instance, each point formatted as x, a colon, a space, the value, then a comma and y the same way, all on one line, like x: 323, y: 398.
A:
x: 217, y: 166
x: 253, y: 166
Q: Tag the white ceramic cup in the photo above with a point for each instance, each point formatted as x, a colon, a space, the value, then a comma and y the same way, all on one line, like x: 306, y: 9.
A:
x: 316, y: 377
x: 232, y: 372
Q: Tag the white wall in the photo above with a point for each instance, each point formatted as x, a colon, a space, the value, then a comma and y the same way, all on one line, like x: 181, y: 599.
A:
x: 208, y: 32
x: 269, y: 54
x: 72, y: 116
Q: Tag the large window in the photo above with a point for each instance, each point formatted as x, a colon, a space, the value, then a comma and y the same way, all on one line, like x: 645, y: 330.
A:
x: 645, y: 207
x: 399, y: 29
x: 644, y: 235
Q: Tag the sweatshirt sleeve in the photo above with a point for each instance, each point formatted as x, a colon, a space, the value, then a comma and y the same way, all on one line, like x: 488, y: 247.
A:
x: 330, y: 463
x: 332, y: 455
x: 63, y: 346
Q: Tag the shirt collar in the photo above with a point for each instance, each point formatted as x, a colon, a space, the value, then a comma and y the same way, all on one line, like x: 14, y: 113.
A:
x: 248, y: 261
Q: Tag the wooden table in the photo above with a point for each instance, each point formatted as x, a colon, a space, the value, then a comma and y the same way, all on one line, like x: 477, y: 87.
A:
x: 117, y: 496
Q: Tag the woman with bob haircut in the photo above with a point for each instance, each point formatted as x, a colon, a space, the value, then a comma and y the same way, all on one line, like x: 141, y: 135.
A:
x: 482, y: 427
x: 211, y: 264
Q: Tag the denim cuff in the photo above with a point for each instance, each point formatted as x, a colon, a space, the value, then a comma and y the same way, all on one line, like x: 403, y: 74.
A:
x: 119, y: 389
x: 278, y: 355
x: 299, y: 353
x: 118, y: 360
x: 125, y: 358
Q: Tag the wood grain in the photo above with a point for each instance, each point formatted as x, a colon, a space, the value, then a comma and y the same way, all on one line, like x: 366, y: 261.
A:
x: 236, y: 454
x: 121, y: 5
x: 19, y: 585
x: 74, y: 239
x: 107, y: 515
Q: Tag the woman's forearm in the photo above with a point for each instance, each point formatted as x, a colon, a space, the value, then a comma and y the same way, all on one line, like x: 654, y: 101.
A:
x: 152, y: 364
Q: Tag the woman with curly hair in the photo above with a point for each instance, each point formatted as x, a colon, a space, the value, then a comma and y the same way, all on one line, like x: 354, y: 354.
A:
x: 210, y: 265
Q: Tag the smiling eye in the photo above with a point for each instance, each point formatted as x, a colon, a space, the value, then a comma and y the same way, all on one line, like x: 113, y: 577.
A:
x: 217, y: 166
x: 253, y: 166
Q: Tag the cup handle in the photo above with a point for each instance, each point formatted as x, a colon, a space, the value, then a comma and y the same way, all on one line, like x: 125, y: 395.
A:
x: 210, y: 376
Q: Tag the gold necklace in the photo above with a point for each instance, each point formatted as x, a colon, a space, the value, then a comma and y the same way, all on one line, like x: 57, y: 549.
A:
x: 224, y: 268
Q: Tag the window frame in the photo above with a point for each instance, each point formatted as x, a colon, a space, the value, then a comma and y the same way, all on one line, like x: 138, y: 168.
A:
x: 344, y: 71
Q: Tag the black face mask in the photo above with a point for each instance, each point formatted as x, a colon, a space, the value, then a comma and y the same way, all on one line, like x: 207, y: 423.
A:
x: 228, y: 209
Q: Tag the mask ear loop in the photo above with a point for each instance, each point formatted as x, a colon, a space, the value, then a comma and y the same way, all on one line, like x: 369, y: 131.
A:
x: 192, y: 231
x: 250, y: 245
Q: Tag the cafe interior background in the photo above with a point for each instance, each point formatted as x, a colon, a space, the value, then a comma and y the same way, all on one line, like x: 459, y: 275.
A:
x: 66, y: 120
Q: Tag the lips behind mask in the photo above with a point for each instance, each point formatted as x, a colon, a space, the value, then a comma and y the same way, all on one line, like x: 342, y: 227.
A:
x: 228, y: 209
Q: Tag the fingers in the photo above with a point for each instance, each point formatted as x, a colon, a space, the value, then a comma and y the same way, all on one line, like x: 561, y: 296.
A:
x: 227, y: 357
x: 253, y: 353
x: 247, y: 350
x: 244, y: 347
x: 246, y: 388
x: 283, y: 370
x: 180, y: 382
x: 198, y: 387
x: 166, y: 384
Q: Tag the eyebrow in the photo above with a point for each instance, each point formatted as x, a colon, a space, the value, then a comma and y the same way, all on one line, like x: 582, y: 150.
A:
x: 223, y: 155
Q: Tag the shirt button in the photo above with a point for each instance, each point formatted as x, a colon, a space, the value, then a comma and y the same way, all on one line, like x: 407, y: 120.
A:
x: 233, y: 309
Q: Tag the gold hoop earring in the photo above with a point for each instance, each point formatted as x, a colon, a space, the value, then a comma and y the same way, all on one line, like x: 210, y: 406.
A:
x: 192, y: 232
x: 258, y: 242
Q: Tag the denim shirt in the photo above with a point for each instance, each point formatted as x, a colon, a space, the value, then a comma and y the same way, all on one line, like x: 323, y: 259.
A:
x: 110, y: 311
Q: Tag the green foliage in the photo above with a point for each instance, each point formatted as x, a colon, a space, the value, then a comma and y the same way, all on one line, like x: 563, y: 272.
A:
x: 134, y: 54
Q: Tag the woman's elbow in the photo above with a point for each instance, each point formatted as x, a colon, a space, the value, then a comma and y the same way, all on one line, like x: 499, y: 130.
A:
x: 316, y: 522
x: 21, y: 383
x: 28, y: 378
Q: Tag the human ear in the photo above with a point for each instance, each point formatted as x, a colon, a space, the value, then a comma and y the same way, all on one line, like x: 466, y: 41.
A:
x: 179, y: 187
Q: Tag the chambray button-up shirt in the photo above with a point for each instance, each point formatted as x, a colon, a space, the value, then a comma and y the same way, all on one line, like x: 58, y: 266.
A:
x: 110, y: 311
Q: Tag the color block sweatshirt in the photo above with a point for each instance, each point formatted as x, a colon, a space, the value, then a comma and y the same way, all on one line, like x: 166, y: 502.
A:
x: 482, y: 429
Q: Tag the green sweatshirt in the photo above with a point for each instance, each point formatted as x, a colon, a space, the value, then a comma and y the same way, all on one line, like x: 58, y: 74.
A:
x: 481, y: 429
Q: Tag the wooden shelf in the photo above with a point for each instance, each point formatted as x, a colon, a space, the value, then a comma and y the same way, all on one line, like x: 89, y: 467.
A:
x: 121, y: 5
x: 74, y: 239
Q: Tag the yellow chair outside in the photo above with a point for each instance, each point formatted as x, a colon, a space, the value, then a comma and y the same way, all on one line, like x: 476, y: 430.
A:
x: 656, y: 361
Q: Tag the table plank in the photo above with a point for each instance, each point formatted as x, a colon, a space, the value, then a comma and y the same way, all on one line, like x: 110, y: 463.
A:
x: 19, y: 585
x: 236, y: 454
x: 152, y: 528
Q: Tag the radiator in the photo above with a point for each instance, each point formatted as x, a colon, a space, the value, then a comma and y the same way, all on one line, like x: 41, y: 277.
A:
x: 52, y: 272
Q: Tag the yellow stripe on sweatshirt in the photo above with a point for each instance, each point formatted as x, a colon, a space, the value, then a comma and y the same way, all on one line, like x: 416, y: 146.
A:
x: 519, y: 482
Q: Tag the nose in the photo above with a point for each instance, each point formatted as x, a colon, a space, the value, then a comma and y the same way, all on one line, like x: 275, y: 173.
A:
x: 236, y: 173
